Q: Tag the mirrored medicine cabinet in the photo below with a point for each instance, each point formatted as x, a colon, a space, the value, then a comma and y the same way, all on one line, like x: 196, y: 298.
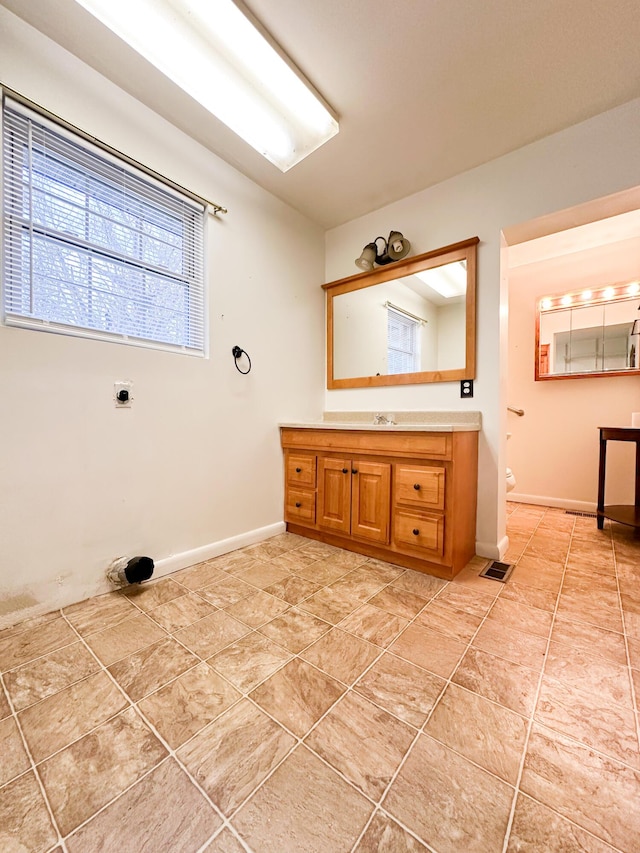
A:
x: 593, y: 332
x: 410, y: 322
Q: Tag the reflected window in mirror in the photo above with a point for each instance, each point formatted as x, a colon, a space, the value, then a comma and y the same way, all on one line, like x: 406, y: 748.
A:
x: 593, y: 332
x: 412, y: 321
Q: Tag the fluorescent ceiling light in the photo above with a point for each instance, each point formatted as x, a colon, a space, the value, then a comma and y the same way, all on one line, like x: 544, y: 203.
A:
x: 217, y: 55
x: 449, y: 280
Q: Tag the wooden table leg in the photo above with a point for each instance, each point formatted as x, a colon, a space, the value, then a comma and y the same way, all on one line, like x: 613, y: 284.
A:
x: 601, y: 477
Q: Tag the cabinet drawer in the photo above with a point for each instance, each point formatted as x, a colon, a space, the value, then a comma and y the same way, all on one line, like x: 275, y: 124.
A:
x: 420, y: 485
x: 419, y: 531
x: 300, y: 506
x: 301, y: 470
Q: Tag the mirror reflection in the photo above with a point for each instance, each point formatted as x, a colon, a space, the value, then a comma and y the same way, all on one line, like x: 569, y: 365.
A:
x: 413, y: 321
x: 589, y: 333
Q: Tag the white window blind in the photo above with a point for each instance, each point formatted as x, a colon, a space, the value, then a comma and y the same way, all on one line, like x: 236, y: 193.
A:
x: 93, y: 246
x: 403, y: 343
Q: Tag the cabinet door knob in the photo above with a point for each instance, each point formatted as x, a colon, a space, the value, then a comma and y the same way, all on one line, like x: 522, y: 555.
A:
x: 298, y: 504
x: 345, y: 470
x: 416, y: 532
x: 298, y: 470
x: 354, y: 470
x: 416, y: 486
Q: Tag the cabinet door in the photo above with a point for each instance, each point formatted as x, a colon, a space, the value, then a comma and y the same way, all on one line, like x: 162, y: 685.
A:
x: 371, y: 501
x: 334, y: 494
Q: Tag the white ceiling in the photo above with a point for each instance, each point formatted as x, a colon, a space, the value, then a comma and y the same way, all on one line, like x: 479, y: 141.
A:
x: 424, y: 89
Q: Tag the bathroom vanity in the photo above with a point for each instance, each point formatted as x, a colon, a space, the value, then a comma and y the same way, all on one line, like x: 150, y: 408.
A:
x: 404, y: 493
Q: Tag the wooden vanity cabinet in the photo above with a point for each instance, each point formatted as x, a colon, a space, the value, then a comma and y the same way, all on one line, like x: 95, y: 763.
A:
x: 407, y: 497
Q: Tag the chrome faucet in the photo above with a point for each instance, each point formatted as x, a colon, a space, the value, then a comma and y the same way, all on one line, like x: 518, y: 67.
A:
x: 382, y: 419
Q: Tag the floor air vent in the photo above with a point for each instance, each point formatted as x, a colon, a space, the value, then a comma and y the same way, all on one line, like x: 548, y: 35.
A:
x: 497, y: 571
x: 581, y: 514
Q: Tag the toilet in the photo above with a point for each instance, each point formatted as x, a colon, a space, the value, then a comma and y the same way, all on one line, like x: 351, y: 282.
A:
x: 511, y: 480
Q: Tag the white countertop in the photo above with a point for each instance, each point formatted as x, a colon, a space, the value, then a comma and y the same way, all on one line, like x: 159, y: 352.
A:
x: 435, y: 421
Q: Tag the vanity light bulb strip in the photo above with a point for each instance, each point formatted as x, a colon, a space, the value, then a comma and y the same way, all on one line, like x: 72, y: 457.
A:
x: 611, y: 293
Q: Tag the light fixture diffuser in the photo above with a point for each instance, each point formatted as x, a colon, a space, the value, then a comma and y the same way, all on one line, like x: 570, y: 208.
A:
x: 449, y: 280
x: 219, y: 57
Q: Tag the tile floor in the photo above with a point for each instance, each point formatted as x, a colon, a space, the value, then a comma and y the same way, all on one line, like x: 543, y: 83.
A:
x: 294, y: 697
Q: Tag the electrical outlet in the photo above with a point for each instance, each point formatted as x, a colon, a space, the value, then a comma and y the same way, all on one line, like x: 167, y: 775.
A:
x: 122, y: 394
x: 466, y: 388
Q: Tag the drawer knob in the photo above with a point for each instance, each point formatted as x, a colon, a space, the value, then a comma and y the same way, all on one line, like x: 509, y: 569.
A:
x: 416, y: 486
x: 416, y: 532
x: 298, y: 504
x: 298, y: 470
x: 345, y: 470
x: 354, y: 470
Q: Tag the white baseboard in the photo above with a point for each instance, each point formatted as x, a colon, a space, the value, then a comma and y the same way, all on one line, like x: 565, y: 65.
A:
x: 560, y: 503
x: 491, y: 550
x: 54, y: 597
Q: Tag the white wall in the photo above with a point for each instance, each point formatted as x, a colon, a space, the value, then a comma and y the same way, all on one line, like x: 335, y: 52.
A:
x: 197, y: 459
x: 554, y: 448
x: 589, y: 160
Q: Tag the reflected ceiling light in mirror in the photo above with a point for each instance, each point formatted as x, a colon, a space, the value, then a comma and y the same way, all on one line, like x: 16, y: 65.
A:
x: 586, y: 295
x: 546, y: 303
x: 449, y: 280
x: 609, y: 293
x: 633, y: 288
x: 222, y: 57
x: 566, y: 300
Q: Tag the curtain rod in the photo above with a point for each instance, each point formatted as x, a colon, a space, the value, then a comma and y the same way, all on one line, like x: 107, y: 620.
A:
x: 213, y: 207
x: 406, y: 313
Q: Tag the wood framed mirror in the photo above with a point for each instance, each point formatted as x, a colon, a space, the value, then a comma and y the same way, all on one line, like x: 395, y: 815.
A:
x: 410, y: 322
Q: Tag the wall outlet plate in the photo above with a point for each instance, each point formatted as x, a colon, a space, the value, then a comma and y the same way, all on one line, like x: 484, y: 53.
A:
x: 123, y: 386
x: 466, y: 388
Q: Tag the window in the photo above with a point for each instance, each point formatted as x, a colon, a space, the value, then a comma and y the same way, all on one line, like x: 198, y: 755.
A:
x: 403, y: 342
x: 93, y: 246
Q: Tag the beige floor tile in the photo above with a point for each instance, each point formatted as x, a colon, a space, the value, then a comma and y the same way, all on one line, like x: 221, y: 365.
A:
x: 262, y: 576
x: 536, y: 828
x: 538, y: 573
x: 297, y: 695
x: 399, y: 602
x: 450, y: 803
x: 257, y: 609
x: 5, y: 709
x: 88, y: 774
x: 347, y: 559
x: 469, y: 577
x: 235, y: 753
x: 543, y: 599
x: 120, y: 641
x: 507, y: 642
x: 322, y: 571
x: 267, y: 550
x: 500, y: 680
x: 333, y: 603
x: 547, y: 549
x: 401, y: 688
x: 296, y: 810
x: 145, y: 671
x: 609, y: 728
x: 429, y: 649
x: 100, y: 612
x: 188, y: 704
x: 25, y: 624
x: 601, y: 609
x: 293, y: 589
x: 149, y: 595
x: 237, y: 562
x: 295, y: 630
x: 294, y: 560
x: 249, y: 661
x: 225, y: 842
x: 634, y: 652
x: 426, y: 586
x: 181, y: 612
x: 209, y: 635
x: 487, y: 734
x: 341, y: 655
x: 227, y: 591
x: 576, y: 668
x: 199, y: 576
x: 34, y: 643
x: 599, y: 794
x: 529, y: 619
x: 469, y: 600
x: 384, y: 835
x: 68, y: 715
x: 25, y: 824
x: 385, y: 572
x: 590, y: 639
x: 363, y: 581
x: 131, y: 822
x: 449, y: 620
x: 363, y: 742
x: 14, y: 757
x: 373, y: 625
x: 49, y: 674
